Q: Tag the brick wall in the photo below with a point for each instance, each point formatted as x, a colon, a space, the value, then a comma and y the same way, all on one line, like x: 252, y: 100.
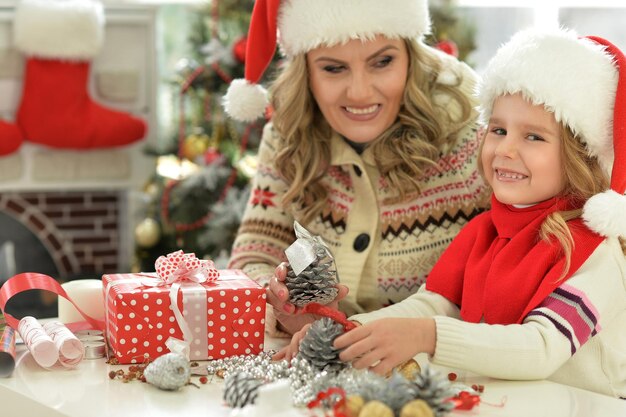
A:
x: 80, y: 229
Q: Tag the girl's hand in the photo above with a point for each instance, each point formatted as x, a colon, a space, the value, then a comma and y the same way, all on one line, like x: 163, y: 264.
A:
x: 291, y: 350
x: 386, y: 343
x: 286, y: 313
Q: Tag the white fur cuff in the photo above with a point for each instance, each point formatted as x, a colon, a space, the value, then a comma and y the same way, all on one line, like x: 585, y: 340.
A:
x: 59, y: 29
x: 605, y: 213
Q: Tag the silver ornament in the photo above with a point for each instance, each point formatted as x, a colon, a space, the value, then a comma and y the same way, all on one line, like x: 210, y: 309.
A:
x: 168, y: 372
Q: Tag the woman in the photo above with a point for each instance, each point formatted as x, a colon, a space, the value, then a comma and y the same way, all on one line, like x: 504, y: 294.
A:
x: 372, y: 145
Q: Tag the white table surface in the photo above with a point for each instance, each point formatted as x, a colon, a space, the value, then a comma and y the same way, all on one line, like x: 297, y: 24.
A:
x: 87, y: 391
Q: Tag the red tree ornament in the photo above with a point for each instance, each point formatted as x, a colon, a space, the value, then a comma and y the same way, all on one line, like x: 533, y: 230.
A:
x: 449, y: 47
x: 239, y: 49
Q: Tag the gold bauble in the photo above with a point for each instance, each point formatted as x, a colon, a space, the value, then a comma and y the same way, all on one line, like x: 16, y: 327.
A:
x: 409, y: 369
x: 354, y: 404
x: 417, y: 408
x: 147, y: 233
x: 376, y: 409
x: 195, y: 145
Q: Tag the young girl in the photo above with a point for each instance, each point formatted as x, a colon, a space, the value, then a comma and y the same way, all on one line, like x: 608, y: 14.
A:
x: 527, y: 290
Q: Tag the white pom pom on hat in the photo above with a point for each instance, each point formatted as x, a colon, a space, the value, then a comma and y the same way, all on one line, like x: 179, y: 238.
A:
x: 579, y: 79
x: 307, y: 24
x: 244, y: 101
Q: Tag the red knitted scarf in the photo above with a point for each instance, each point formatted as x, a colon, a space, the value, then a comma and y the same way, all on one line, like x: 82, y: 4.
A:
x: 498, y: 269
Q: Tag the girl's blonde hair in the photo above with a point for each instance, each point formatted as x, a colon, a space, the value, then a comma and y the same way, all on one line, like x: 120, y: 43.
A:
x: 416, y: 139
x: 584, y: 178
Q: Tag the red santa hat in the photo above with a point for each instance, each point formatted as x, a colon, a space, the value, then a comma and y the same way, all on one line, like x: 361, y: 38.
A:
x: 579, y: 79
x: 302, y: 25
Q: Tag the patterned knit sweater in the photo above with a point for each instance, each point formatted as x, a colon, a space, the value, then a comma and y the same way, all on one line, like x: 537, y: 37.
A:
x: 384, y: 250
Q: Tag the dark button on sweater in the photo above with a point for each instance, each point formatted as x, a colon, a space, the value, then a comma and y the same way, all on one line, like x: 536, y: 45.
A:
x: 361, y: 242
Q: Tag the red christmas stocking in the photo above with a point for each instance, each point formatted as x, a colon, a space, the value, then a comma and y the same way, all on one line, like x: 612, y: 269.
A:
x: 10, y: 138
x: 60, y: 38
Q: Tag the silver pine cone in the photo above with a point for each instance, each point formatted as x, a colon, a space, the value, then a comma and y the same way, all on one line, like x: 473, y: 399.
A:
x: 317, y: 345
x: 316, y: 283
x: 241, y: 389
x: 435, y: 389
x: 395, y: 391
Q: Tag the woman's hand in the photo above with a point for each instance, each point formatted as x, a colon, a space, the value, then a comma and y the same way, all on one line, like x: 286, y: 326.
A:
x: 287, y: 314
x: 291, y: 350
x: 386, y: 343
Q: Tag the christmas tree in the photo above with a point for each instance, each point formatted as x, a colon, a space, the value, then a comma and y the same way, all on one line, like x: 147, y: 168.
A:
x: 195, y: 199
x: 451, y: 32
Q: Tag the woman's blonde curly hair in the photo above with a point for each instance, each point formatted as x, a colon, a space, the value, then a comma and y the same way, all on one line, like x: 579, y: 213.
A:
x: 421, y: 133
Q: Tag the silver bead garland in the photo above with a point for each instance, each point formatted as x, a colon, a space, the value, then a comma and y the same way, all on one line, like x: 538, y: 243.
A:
x: 306, y: 381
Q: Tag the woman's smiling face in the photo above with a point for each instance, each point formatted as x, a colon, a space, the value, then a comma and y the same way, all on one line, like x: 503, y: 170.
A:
x: 521, y: 153
x: 359, y: 85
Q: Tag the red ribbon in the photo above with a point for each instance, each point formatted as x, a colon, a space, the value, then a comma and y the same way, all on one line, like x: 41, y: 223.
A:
x: 465, y: 401
x: 179, y: 266
x: 339, y: 405
x: 36, y: 281
x: 324, y: 311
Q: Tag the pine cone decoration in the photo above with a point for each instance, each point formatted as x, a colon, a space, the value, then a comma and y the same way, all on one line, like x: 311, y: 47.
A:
x: 435, y: 390
x: 316, y: 282
x: 168, y: 372
x: 241, y: 389
x: 395, y: 391
x: 317, y: 345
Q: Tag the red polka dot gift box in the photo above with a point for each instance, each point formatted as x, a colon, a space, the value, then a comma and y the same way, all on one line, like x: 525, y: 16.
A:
x: 186, y: 306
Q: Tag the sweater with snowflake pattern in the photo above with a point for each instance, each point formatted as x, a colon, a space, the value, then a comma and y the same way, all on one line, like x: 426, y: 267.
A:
x: 383, y: 250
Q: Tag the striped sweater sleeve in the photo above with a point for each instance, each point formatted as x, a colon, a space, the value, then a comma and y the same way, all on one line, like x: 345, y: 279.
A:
x: 572, y: 313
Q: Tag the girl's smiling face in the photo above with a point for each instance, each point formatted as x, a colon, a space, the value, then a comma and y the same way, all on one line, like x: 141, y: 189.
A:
x: 359, y: 85
x: 521, y: 153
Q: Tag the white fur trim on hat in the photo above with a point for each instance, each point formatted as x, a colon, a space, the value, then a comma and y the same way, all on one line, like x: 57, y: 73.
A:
x: 573, y: 77
x: 605, y: 213
x: 244, y: 101
x: 59, y: 29
x: 306, y: 24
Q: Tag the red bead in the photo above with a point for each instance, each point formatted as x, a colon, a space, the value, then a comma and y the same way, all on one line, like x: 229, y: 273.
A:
x: 204, y: 379
x: 452, y: 376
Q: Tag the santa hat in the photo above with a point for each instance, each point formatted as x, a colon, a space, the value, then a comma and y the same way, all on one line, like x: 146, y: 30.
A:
x: 578, y: 79
x: 307, y: 24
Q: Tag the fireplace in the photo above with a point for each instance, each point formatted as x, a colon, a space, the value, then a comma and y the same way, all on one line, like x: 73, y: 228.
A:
x: 67, y: 235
